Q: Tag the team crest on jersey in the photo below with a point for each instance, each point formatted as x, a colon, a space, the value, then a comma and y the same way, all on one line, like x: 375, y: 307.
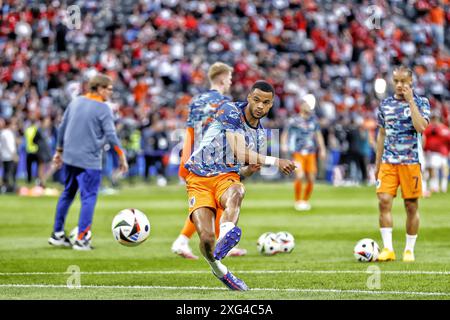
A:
x: 407, y: 112
x: 191, y: 201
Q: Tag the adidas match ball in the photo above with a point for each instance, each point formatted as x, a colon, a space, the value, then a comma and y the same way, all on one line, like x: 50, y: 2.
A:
x: 130, y: 227
x: 366, y: 250
x: 268, y: 244
x: 286, y: 241
x: 74, y: 234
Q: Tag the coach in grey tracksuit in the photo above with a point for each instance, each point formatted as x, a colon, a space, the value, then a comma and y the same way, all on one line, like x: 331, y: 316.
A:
x: 86, y: 126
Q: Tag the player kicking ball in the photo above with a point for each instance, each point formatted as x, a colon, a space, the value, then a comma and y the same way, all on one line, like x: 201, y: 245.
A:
x: 201, y: 114
x: 401, y: 118
x: 229, y: 147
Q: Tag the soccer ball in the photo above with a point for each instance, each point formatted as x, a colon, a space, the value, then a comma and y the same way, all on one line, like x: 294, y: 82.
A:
x: 74, y: 234
x: 130, y: 227
x: 366, y: 250
x: 268, y: 244
x: 286, y: 241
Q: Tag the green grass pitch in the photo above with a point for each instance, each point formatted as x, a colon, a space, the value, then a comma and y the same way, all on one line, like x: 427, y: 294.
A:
x: 321, y: 266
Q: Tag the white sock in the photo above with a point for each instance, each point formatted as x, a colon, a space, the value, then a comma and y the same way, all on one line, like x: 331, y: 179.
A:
x: 386, y: 235
x: 410, y: 242
x: 424, y: 185
x: 444, y: 184
x: 182, y: 239
x: 218, y: 268
x: 224, y: 228
x: 434, y: 184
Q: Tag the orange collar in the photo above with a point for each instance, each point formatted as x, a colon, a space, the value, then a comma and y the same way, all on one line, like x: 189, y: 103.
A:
x: 94, y: 96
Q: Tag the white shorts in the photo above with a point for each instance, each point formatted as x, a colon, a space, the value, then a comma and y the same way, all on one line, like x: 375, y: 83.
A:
x: 435, y: 160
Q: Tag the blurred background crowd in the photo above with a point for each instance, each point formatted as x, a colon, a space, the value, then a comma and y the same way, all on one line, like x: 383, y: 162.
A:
x: 158, y: 53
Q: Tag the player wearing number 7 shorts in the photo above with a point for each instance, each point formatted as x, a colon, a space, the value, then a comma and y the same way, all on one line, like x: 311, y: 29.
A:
x: 402, y: 118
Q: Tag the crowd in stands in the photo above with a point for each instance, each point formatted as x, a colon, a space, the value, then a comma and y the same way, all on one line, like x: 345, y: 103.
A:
x: 158, y: 53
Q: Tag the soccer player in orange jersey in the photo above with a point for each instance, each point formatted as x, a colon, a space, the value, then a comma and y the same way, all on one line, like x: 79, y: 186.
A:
x: 402, y: 118
x: 303, y: 138
x: 201, y: 114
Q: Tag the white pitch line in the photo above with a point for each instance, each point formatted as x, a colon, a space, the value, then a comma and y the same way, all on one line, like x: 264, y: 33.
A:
x: 405, y: 272
x: 374, y: 292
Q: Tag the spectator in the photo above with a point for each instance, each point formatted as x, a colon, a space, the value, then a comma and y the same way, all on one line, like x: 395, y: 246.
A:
x: 158, y: 52
x: 131, y: 142
x: 155, y: 145
x: 31, y: 148
x: 43, y: 139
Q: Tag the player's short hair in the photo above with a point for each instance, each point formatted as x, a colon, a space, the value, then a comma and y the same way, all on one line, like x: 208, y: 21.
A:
x: 217, y: 69
x: 403, y: 68
x: 263, y: 86
x: 99, y: 81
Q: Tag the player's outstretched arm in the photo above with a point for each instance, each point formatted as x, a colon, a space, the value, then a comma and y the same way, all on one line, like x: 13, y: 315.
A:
x: 249, y: 170
x: 243, y: 154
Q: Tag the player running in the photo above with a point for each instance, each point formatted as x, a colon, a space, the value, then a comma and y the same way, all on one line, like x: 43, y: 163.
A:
x: 201, y: 114
x: 86, y: 125
x: 436, y: 147
x: 401, y: 119
x: 234, y: 139
x: 302, y: 138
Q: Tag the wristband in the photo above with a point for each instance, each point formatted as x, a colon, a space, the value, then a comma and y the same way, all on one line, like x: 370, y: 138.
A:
x: 270, y: 161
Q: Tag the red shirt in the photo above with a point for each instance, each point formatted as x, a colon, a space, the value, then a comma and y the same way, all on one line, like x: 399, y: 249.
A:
x: 437, y: 138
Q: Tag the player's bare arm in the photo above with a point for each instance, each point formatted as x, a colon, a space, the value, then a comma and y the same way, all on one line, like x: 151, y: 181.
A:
x: 419, y: 122
x: 321, y: 143
x: 249, y: 170
x: 247, y: 156
x: 380, y: 149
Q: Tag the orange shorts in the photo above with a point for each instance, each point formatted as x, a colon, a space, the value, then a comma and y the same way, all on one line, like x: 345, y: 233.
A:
x: 206, y: 191
x: 307, y: 163
x: 408, y: 176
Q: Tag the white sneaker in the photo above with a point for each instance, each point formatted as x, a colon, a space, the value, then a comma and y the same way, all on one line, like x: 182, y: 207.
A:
x: 302, y: 206
x: 59, y: 240
x: 426, y: 194
x: 82, y: 245
x: 183, y: 250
